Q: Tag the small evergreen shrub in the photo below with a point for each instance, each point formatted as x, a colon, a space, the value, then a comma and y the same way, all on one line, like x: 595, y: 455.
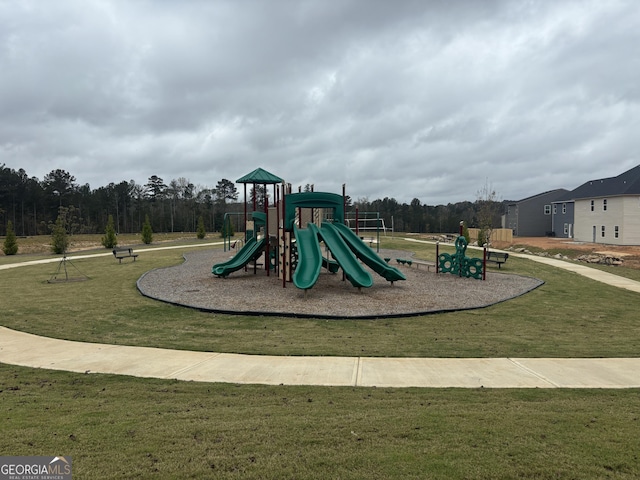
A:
x: 201, y: 233
x: 110, y: 240
x: 59, y: 238
x: 147, y: 232
x: 10, y: 246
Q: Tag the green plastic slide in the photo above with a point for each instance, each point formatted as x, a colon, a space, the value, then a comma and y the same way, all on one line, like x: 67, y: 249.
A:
x: 309, y: 257
x: 352, y: 268
x: 251, y: 251
x: 367, y: 255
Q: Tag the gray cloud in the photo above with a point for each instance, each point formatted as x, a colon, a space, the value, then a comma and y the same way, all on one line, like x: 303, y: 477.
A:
x: 408, y: 99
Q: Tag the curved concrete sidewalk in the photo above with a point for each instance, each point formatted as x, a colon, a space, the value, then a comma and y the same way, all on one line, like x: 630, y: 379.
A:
x: 43, y: 261
x: 18, y: 348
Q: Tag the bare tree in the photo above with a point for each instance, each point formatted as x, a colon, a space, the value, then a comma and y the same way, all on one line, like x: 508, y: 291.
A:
x: 487, y: 208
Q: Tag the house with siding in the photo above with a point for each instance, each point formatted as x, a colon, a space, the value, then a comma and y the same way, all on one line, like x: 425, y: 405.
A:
x: 606, y: 210
x: 562, y: 216
x: 532, y: 216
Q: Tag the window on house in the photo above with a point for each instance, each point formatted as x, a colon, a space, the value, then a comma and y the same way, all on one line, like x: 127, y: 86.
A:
x: 602, y: 228
x: 555, y: 208
x: 564, y: 208
x: 616, y: 231
x: 604, y: 205
x: 547, y: 209
x: 566, y: 229
x: 593, y: 204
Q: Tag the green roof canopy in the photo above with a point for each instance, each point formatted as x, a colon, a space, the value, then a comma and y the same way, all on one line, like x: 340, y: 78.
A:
x: 259, y: 175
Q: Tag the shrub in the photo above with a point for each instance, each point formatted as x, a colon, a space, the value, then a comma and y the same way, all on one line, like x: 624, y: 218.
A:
x: 10, y: 246
x: 201, y: 233
x: 147, y: 232
x: 59, y: 238
x: 110, y: 240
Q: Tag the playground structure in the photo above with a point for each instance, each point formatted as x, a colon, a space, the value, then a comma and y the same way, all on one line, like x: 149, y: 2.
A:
x: 459, y: 264
x: 302, y: 221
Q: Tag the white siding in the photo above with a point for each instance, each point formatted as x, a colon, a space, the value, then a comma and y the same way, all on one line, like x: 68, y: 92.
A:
x: 618, y: 213
x: 630, y: 222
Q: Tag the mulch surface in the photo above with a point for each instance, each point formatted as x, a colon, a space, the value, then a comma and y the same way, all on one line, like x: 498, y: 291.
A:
x: 192, y: 284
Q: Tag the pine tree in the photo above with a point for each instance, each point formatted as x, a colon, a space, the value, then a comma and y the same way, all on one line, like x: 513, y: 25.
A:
x: 147, y: 232
x: 10, y: 246
x: 59, y: 238
x: 110, y: 240
x: 201, y: 233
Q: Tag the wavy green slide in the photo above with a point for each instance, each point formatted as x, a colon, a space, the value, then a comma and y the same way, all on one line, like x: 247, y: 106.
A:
x: 309, y: 257
x: 352, y: 268
x: 368, y: 256
x: 251, y: 250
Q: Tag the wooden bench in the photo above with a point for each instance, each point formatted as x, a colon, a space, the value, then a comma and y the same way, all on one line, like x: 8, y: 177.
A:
x: 121, y: 253
x: 497, y: 257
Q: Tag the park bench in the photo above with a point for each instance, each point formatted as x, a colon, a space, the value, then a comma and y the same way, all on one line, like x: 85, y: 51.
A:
x: 121, y: 253
x: 497, y: 257
x: 424, y: 263
x: 417, y: 263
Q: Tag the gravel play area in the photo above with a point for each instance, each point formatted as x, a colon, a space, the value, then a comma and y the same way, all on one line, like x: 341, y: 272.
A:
x: 192, y: 284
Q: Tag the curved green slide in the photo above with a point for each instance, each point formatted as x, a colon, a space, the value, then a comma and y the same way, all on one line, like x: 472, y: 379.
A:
x: 352, y: 268
x: 309, y: 257
x: 251, y: 250
x: 368, y: 256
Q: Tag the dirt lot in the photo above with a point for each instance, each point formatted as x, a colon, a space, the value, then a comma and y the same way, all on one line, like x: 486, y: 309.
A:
x: 630, y: 254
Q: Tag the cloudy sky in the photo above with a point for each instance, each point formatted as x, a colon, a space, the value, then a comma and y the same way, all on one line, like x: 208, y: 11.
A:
x: 427, y: 99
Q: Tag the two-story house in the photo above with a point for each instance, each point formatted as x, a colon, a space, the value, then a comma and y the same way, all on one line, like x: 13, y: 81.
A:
x: 606, y: 210
x: 532, y: 216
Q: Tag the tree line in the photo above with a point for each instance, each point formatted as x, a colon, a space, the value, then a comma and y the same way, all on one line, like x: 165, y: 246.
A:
x: 33, y: 206
x: 417, y: 217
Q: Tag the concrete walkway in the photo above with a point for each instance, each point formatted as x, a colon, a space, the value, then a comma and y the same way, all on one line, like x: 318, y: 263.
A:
x: 18, y: 348
x: 43, y: 261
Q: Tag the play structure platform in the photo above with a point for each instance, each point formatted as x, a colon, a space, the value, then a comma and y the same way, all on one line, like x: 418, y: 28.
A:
x: 298, y: 255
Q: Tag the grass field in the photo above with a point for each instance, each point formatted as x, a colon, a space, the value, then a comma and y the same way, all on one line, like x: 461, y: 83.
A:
x: 117, y: 427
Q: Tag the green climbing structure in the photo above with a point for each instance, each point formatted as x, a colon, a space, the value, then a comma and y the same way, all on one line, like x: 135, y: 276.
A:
x: 458, y: 263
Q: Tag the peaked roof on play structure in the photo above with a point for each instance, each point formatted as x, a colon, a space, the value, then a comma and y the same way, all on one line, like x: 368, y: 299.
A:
x: 259, y: 175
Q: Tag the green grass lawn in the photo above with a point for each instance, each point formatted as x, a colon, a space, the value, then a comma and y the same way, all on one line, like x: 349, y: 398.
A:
x: 559, y: 319
x: 122, y: 427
